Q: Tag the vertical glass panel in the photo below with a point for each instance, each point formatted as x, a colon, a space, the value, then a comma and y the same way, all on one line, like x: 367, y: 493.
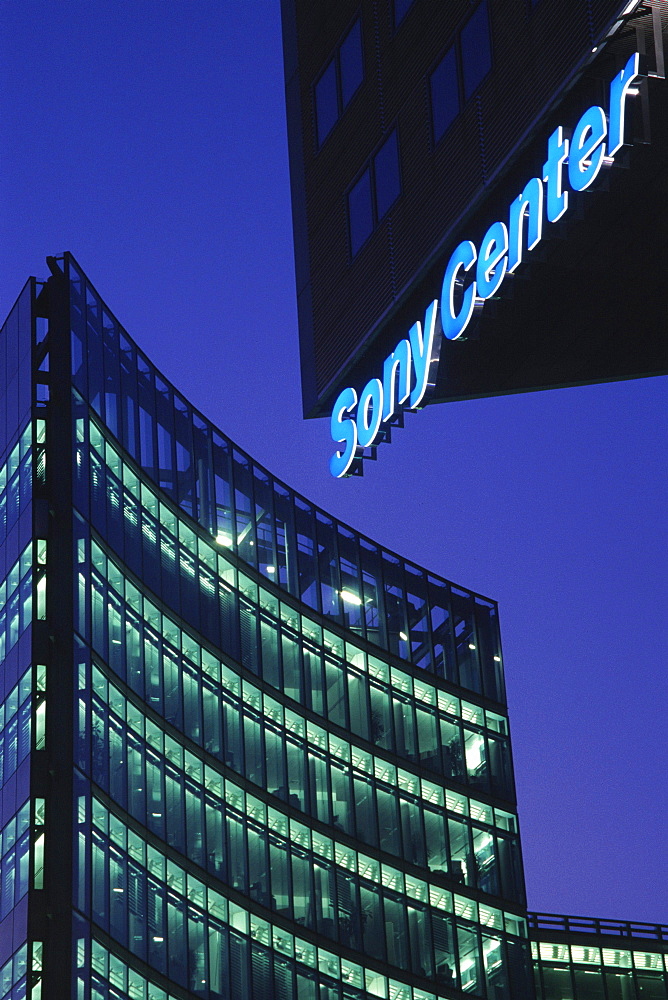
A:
x: 460, y: 853
x: 495, y: 972
x: 351, y: 590
x: 469, y: 960
x: 396, y: 931
x: 386, y: 170
x: 373, y: 923
x: 444, y: 94
x: 395, y: 606
x: 326, y: 105
x: 371, y: 591
x: 352, y: 63
x: 441, y: 628
x: 328, y: 565
x: 619, y: 985
x: 476, y: 49
x: 444, y: 950
x: 466, y: 642
x: 243, y: 499
x: 360, y: 213
x: 223, y: 492
x: 286, y: 548
x: 264, y: 521
x: 487, y: 629
x: 305, y: 525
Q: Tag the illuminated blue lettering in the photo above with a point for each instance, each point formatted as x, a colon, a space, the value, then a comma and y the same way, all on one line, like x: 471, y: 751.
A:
x: 492, y: 260
x: 399, y: 359
x: 409, y: 372
x: 454, y: 323
x: 618, y: 90
x: 529, y: 206
x: 425, y: 351
x: 557, y: 154
x: 343, y: 429
x: 587, y: 148
x: 369, y: 412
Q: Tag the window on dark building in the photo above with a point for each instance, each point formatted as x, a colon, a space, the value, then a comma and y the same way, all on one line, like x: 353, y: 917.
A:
x: 401, y: 8
x: 339, y: 82
x: 461, y: 70
x: 374, y: 192
x: 352, y: 63
x: 360, y: 211
x: 386, y: 173
x: 476, y: 50
x: 444, y: 93
x: 326, y: 102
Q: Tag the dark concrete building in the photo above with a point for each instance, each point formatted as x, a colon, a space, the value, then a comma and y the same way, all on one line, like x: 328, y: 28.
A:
x: 418, y: 126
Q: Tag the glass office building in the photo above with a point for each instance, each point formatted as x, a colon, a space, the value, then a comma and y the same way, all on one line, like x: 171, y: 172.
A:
x: 248, y: 752
x: 245, y: 752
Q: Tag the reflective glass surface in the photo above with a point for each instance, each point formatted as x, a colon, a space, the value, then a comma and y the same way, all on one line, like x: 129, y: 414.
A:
x: 292, y: 763
x: 391, y: 603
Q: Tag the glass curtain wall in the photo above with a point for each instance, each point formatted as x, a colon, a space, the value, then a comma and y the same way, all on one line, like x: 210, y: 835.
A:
x: 293, y: 769
x: 577, y: 958
x: 21, y: 840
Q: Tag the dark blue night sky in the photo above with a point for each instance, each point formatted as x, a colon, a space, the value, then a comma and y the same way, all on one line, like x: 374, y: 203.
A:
x: 149, y: 139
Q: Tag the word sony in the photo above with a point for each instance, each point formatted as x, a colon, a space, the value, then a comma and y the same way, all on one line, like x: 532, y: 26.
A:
x: 409, y: 372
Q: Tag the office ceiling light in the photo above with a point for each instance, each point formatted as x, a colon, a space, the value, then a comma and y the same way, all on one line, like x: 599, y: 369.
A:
x: 271, y: 569
x: 350, y: 598
x: 224, y: 540
x: 402, y: 635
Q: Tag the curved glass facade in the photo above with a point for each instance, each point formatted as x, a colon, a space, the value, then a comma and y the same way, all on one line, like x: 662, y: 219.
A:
x: 291, y: 760
x: 244, y: 751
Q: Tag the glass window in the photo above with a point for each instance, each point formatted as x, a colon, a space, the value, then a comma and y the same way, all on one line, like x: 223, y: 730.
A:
x: 326, y: 104
x: 360, y: 212
x: 386, y: 170
x: 339, y: 82
x: 444, y: 94
x: 374, y: 193
x: 352, y: 63
x: 476, y: 50
x: 401, y: 8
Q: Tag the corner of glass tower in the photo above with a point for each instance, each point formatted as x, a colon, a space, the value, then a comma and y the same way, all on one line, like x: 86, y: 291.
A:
x: 246, y: 751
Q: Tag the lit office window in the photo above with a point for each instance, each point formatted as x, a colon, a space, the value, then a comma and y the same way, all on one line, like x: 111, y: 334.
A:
x: 339, y: 82
x: 401, y: 8
x: 476, y: 50
x: 374, y: 193
x: 444, y: 94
